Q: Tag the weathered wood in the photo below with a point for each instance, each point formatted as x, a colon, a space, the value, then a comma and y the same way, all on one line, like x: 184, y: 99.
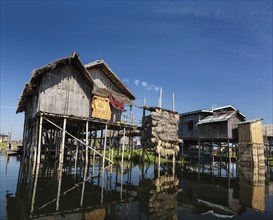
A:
x: 40, y: 139
x: 63, y: 142
x: 64, y: 91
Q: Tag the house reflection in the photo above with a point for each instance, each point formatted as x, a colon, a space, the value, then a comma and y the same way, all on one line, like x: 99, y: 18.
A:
x: 135, y: 191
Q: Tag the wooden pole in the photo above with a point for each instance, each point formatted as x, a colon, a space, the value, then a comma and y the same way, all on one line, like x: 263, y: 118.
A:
x: 40, y: 139
x: 34, y: 188
x: 144, y: 102
x: 160, y: 98
x: 173, y: 164
x: 63, y: 142
x: 104, y: 145
x: 173, y: 106
x: 76, y: 138
x: 86, y: 142
x: 122, y: 154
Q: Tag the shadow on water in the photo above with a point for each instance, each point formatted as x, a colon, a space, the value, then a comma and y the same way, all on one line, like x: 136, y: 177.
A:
x: 210, y: 190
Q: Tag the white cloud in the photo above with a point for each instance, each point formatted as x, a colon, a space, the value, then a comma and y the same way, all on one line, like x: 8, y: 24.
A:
x: 137, y: 82
x: 144, y: 84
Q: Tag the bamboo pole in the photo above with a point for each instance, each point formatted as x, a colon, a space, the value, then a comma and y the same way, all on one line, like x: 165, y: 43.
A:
x: 40, y: 139
x: 173, y: 105
x: 35, y: 188
x: 104, y: 146
x: 77, y: 139
x: 63, y: 142
x: 86, y: 142
x: 160, y: 98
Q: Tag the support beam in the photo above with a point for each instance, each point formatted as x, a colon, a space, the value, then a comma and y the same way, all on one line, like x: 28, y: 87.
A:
x: 173, y: 105
x: 86, y: 142
x: 77, y: 139
x: 104, y: 145
x: 63, y: 142
x: 40, y: 139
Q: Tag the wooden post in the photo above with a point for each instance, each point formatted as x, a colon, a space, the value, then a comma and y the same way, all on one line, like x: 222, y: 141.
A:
x: 63, y: 142
x: 40, y: 139
x: 131, y: 115
x: 60, y: 174
x: 143, y: 115
x: 101, y: 136
x: 86, y: 142
x: 173, y: 106
x: 34, y: 188
x: 160, y: 98
x: 35, y: 142
x: 104, y: 145
x: 122, y: 155
x: 173, y: 164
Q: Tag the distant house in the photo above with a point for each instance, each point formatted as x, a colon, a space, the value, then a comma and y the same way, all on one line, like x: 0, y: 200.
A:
x: 4, y: 138
x: 220, y: 126
x: 217, y: 124
x: 188, y: 129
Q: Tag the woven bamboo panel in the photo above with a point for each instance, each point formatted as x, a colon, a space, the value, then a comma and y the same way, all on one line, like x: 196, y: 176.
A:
x: 251, y: 133
x: 101, y: 108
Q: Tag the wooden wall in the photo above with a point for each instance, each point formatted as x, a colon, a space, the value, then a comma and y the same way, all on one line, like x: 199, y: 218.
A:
x: 65, y: 91
x: 183, y: 131
x: 215, y: 130
x: 233, y: 124
x: 101, y: 80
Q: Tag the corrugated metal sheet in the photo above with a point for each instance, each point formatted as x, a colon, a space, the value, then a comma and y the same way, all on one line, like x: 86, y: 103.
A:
x: 216, y: 118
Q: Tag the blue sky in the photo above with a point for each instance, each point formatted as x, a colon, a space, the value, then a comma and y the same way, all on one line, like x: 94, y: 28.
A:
x: 209, y: 53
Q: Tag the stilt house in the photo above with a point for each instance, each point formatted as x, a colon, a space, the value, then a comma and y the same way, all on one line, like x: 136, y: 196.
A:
x: 67, y: 90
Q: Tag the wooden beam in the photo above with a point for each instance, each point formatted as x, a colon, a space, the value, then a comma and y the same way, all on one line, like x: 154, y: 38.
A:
x: 40, y: 139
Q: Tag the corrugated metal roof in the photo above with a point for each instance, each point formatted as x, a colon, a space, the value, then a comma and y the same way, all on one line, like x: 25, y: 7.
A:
x: 195, y: 112
x: 216, y: 118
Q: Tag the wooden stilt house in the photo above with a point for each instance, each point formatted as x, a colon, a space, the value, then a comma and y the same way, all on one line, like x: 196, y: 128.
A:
x: 67, y: 97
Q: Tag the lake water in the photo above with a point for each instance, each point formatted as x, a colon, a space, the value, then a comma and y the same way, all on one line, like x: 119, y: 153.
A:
x: 132, y: 191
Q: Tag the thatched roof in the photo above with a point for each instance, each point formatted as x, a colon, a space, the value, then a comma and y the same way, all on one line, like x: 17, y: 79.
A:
x: 111, y: 76
x: 30, y: 87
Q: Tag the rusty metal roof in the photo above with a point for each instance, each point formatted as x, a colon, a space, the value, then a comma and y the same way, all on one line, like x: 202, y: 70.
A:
x: 217, y: 118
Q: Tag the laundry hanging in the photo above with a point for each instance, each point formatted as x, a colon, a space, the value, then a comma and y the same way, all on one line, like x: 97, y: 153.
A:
x: 115, y: 103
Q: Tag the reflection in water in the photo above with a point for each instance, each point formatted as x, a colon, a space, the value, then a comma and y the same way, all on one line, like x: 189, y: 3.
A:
x: 92, y: 191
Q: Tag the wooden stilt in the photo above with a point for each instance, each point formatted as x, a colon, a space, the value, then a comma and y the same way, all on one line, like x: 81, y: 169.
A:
x: 104, y: 145
x: 40, y: 139
x: 34, y: 188
x: 173, y: 164
x: 123, y: 145
x: 63, y: 142
x: 86, y: 142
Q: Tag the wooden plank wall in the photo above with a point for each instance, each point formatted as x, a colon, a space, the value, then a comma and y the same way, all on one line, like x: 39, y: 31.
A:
x: 65, y: 91
x: 101, y: 80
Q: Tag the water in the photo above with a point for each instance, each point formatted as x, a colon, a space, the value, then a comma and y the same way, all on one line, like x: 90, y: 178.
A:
x: 194, y: 191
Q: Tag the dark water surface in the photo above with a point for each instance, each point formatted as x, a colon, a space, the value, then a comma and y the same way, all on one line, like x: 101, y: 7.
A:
x: 193, y: 191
